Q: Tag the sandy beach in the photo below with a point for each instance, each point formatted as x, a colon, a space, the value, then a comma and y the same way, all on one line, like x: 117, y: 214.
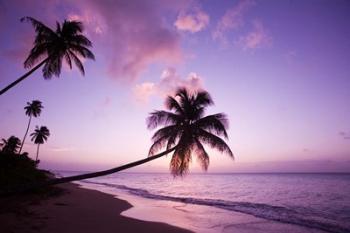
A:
x: 77, y: 210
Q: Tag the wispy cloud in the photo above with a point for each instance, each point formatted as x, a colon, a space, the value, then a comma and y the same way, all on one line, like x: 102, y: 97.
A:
x: 136, y: 38
x: 258, y: 37
x: 344, y: 135
x: 231, y: 20
x: 61, y: 149
x: 169, y: 81
x: 192, y: 21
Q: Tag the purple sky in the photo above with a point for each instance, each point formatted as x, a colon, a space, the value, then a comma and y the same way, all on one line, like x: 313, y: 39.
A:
x: 279, y: 69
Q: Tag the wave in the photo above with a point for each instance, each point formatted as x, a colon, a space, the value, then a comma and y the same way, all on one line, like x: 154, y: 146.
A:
x: 265, y: 211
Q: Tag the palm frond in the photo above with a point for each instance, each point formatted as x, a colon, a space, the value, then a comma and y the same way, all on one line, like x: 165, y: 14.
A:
x: 72, y: 27
x: 77, y: 62
x: 180, y: 161
x: 82, y: 51
x: 202, y: 155
x: 80, y: 40
x: 203, y: 99
x: 157, y: 118
x: 216, y: 124
x: 214, y: 141
x: 157, y: 145
x: 172, y: 104
x: 39, y: 27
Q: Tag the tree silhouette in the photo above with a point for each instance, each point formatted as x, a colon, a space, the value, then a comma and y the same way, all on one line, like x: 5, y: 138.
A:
x: 32, y: 109
x: 186, y: 127
x: 184, y: 133
x: 51, y: 47
x: 10, y: 145
x: 39, y: 136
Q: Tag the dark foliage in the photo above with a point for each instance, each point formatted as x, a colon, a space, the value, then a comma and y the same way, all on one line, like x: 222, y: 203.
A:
x: 186, y: 127
x: 18, y: 170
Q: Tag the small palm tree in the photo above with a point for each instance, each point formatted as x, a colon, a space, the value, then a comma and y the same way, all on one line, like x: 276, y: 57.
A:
x: 185, y: 131
x: 52, y: 46
x: 39, y: 136
x: 32, y: 109
x: 10, y: 145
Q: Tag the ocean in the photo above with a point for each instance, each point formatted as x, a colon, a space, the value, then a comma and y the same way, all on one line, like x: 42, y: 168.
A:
x: 315, y: 202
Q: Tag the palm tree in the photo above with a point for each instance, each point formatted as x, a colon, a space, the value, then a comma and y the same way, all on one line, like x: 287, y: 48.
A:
x: 185, y: 131
x: 52, y: 46
x: 10, y: 145
x: 188, y: 129
x: 39, y: 136
x: 32, y: 109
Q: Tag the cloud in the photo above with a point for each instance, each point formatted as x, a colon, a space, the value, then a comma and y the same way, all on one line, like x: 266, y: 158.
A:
x: 344, y: 135
x: 144, y: 91
x: 127, y: 36
x: 257, y: 38
x: 131, y: 36
x: 192, y: 22
x: 231, y: 20
x: 169, y: 81
x: 62, y: 149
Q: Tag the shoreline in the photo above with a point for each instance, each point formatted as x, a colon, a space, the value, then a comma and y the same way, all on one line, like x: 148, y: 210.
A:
x: 198, y: 218
x: 76, y: 210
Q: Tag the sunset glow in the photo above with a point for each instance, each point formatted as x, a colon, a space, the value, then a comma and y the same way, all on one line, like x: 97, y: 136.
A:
x: 280, y: 70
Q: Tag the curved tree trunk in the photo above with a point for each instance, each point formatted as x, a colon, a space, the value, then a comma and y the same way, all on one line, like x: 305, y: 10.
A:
x: 25, y: 135
x: 37, y: 153
x: 29, y: 187
x: 26, y: 75
x: 109, y: 171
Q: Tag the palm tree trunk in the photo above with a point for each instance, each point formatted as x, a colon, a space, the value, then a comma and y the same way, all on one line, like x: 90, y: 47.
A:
x: 37, y: 153
x: 109, y: 171
x: 25, y: 135
x: 23, y: 77
x: 29, y: 187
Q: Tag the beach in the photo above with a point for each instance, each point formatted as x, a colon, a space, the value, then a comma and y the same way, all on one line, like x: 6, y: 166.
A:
x: 82, y: 209
x: 77, y: 210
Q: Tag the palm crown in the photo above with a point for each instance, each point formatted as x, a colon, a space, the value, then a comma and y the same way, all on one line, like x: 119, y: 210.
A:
x: 33, y: 108
x: 11, y: 145
x: 187, y: 129
x: 66, y: 42
x: 40, y: 135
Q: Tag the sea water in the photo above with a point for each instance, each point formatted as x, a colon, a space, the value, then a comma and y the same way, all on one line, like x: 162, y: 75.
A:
x: 312, y: 201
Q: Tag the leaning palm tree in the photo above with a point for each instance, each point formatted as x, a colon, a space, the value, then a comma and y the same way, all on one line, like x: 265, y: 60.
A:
x: 186, y: 130
x: 32, y: 109
x: 10, y: 145
x: 52, y: 46
x: 39, y: 136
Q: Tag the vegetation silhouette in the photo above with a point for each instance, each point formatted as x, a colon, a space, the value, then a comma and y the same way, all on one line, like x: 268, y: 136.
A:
x: 39, y: 136
x: 51, y: 47
x: 11, y: 145
x: 32, y: 109
x: 185, y: 131
x: 186, y: 127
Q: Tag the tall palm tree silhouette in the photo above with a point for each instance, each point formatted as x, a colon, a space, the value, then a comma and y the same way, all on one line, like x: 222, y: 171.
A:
x: 40, y: 136
x: 32, y: 109
x: 52, y: 46
x: 188, y: 129
x: 10, y: 145
x: 185, y: 131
